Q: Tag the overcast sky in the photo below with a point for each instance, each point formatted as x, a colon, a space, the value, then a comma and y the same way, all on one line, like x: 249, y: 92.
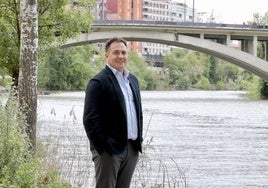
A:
x: 230, y: 11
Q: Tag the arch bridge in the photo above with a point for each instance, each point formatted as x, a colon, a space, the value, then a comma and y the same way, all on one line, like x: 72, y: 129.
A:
x: 210, y: 38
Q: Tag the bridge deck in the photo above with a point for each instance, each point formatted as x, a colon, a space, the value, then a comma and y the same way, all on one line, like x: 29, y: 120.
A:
x: 209, y: 30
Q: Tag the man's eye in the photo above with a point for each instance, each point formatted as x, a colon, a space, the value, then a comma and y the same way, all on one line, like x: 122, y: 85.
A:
x: 118, y: 53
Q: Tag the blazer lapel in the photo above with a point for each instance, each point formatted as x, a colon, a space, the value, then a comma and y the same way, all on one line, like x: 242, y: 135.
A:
x: 117, y: 88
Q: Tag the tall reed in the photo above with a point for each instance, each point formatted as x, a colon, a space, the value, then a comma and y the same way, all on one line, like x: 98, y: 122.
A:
x: 68, y: 149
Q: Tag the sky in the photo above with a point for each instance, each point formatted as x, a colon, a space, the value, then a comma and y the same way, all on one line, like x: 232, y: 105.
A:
x: 230, y: 11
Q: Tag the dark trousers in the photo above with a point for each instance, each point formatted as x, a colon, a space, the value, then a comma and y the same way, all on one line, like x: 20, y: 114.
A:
x: 115, y: 171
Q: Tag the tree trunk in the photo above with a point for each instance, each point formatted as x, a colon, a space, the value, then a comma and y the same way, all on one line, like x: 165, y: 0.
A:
x: 27, y: 83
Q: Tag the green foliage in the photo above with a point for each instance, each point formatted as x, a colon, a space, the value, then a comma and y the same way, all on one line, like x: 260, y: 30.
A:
x: 52, y: 16
x: 14, y: 145
x: 70, y: 69
x: 253, y: 86
x: 5, y: 81
x: 185, y: 68
x: 138, y: 67
x: 175, y: 69
x: 220, y: 85
x: 256, y: 86
x: 51, y: 179
x: 203, y: 83
x: 18, y: 167
x: 213, y: 77
x: 9, y: 37
x: 63, y: 17
x: 67, y: 69
x: 263, y: 89
x: 227, y: 72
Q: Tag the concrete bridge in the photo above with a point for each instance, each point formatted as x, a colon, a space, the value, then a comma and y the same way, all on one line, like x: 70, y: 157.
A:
x: 211, y: 38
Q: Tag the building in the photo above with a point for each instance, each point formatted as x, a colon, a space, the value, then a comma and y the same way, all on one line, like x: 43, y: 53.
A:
x: 147, y: 10
x: 165, y: 11
x: 121, y: 10
x: 118, y: 10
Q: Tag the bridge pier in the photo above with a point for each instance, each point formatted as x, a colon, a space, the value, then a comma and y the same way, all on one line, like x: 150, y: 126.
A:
x: 250, y: 45
x: 266, y: 51
x: 228, y: 40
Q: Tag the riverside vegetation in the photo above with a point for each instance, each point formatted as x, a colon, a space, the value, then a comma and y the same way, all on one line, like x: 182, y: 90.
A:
x: 70, y: 69
x: 19, y: 168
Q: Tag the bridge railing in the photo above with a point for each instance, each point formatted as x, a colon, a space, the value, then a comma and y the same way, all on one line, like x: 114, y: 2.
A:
x: 180, y: 24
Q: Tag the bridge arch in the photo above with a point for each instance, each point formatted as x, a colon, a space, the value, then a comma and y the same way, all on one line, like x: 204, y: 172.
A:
x: 232, y: 55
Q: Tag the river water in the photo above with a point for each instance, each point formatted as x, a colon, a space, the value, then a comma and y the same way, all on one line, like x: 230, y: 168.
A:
x: 192, y: 139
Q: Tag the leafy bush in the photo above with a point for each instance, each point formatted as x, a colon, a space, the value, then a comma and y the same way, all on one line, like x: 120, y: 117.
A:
x: 203, y: 83
x: 18, y: 166
x: 220, y: 85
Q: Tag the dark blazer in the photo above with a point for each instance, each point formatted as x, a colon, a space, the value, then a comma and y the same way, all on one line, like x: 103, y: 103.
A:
x: 105, y: 119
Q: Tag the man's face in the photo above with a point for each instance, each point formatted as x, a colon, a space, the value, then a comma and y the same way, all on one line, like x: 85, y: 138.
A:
x: 117, y: 56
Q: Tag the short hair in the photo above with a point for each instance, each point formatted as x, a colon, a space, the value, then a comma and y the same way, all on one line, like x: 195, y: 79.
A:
x: 112, y: 40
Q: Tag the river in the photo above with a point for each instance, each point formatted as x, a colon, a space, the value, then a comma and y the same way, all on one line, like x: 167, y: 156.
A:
x: 192, y: 139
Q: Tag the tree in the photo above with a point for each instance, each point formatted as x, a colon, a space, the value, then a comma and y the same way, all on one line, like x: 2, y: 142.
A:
x: 62, y: 17
x: 185, y: 67
x: 20, y: 29
x: 173, y: 62
x: 71, y: 68
x: 263, y: 89
x: 213, y: 78
x: 9, y: 38
x: 27, y: 88
x: 137, y: 66
x: 67, y: 69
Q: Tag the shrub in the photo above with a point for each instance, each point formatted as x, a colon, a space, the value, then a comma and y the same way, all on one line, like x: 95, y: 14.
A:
x: 18, y: 167
x: 203, y: 83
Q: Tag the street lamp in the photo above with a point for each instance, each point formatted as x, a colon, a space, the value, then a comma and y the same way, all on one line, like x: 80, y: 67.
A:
x: 193, y: 11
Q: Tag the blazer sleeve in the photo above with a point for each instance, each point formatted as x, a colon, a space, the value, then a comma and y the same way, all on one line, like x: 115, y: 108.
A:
x: 92, y: 116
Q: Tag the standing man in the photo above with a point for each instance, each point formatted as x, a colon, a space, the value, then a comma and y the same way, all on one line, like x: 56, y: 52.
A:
x: 113, y: 119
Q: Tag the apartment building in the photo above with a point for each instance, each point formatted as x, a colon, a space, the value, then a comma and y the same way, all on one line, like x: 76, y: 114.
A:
x: 166, y: 11
x: 121, y: 10
x: 151, y: 10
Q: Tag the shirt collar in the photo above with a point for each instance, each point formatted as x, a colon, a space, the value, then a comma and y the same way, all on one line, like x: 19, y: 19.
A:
x: 116, y: 72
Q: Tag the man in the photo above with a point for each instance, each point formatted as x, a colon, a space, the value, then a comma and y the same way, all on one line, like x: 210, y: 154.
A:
x: 113, y: 119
